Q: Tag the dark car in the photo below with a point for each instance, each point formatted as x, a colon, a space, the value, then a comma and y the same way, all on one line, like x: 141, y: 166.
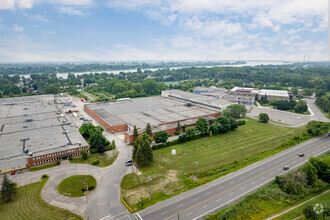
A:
x: 285, y: 168
x: 129, y: 163
x: 301, y: 155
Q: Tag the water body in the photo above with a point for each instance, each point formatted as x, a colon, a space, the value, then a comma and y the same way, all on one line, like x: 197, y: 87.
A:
x: 252, y: 63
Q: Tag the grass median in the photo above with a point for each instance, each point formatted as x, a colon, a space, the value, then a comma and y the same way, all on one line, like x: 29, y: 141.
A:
x: 206, y: 158
x: 28, y: 204
x: 73, y: 185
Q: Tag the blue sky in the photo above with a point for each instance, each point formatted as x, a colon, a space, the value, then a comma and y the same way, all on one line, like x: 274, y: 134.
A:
x: 146, y: 30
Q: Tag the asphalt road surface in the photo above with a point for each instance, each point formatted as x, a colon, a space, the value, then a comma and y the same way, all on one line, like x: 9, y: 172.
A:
x: 220, y: 193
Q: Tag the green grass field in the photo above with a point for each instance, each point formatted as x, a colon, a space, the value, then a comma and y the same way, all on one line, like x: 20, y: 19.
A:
x: 29, y: 205
x: 250, y: 142
x: 104, y: 159
x: 298, y: 212
x: 72, y: 185
x: 43, y: 167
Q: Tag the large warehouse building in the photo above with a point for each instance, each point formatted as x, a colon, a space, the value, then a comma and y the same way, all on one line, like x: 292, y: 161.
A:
x: 161, y: 112
x: 34, y: 132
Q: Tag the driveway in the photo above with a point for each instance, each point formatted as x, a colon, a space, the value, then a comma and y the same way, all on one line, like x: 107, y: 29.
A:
x: 292, y: 119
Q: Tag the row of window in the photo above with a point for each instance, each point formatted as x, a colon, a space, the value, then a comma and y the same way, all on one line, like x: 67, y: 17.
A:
x: 53, y: 159
x: 59, y: 153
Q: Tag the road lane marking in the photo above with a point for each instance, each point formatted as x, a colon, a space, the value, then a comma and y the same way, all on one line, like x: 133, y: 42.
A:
x: 208, y: 193
x: 220, y: 187
x: 231, y: 194
x: 243, y: 187
x: 180, y: 205
x: 190, y: 213
x: 242, y: 177
x: 194, y: 199
x: 219, y: 199
x: 253, y: 183
x: 231, y: 183
x: 164, y: 213
x: 274, y: 167
x: 205, y: 206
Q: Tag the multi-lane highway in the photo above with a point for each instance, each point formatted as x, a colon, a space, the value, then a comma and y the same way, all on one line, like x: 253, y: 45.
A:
x: 197, y: 203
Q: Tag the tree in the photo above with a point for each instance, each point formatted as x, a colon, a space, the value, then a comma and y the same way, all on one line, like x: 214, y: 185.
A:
x: 233, y: 123
x: 148, y: 130
x: 84, y: 154
x: 237, y: 110
x: 8, y: 189
x: 224, y: 124
x: 308, y: 92
x: 135, y: 133
x: 215, y: 128
x: 320, y: 92
x: 101, y: 149
x: 143, y: 155
x: 202, y: 126
x: 295, y: 91
x: 161, y: 137
x: 178, y: 127
x: 311, y: 173
x: 263, y: 99
x: 51, y: 89
x: 113, y: 144
x: 263, y: 117
x: 226, y: 113
x: 191, y: 132
x: 97, y: 139
x: 301, y: 107
x: 317, y: 127
x: 323, y: 169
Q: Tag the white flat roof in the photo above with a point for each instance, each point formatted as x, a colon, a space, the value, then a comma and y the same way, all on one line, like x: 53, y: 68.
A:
x: 269, y: 92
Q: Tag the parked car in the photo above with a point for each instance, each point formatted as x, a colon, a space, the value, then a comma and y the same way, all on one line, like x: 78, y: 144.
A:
x: 129, y: 163
x: 285, y: 168
x: 301, y: 155
x: 19, y: 171
x: 13, y: 172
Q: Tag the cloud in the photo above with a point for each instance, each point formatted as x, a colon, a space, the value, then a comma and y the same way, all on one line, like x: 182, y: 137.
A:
x: 18, y: 28
x: 49, y: 32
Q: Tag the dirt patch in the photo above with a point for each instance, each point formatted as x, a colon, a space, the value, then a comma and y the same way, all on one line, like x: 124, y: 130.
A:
x: 165, y: 185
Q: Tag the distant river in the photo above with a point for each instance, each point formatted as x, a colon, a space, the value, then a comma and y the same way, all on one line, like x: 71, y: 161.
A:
x: 252, y: 63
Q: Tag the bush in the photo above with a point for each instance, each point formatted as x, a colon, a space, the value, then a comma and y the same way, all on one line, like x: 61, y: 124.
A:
x: 176, y: 133
x: 58, y: 162
x: 91, y: 187
x: 93, y: 151
x: 241, y: 122
x: 84, y: 154
x: 263, y: 117
x: 95, y: 162
x: 309, y: 212
x: 70, y: 158
x: 44, y: 176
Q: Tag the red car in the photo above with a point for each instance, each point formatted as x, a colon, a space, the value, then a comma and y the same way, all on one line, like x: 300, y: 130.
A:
x: 12, y: 172
x: 301, y: 155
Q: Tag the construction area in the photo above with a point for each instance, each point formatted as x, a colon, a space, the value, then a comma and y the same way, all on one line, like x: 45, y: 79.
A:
x: 35, y: 131
x: 162, y: 113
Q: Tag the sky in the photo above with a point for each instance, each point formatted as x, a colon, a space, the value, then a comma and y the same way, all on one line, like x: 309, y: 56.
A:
x: 148, y: 30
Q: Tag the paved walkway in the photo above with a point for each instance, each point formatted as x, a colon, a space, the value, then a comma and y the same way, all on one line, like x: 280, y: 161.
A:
x: 275, y: 216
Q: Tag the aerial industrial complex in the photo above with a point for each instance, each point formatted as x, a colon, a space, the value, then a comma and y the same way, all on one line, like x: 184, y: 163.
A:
x: 34, y: 131
x: 163, y: 112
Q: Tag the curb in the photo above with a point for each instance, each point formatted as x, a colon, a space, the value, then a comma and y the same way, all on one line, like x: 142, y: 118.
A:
x: 126, y: 205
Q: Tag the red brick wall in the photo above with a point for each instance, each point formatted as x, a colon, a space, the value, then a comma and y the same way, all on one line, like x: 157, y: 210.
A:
x: 112, y: 129
x: 46, y: 157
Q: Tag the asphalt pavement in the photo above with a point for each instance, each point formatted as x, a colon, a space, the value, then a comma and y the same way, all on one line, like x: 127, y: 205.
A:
x: 220, y: 193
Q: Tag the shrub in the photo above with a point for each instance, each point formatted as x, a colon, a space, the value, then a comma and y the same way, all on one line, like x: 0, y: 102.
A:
x: 44, y: 176
x: 84, y: 154
x: 93, y: 151
x: 241, y: 122
x: 95, y: 162
x: 70, y: 158
x: 91, y: 187
x: 176, y: 133
x: 309, y: 212
x: 263, y: 117
x: 58, y: 162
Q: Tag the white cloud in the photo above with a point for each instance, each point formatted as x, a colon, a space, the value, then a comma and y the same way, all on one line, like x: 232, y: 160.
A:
x: 49, y: 32
x: 7, y: 4
x: 18, y: 28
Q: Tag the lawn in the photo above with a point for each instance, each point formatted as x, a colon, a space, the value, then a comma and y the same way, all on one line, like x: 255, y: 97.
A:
x: 29, y: 205
x: 43, y: 167
x: 72, y: 185
x: 297, y: 212
x: 105, y: 159
x: 250, y: 142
